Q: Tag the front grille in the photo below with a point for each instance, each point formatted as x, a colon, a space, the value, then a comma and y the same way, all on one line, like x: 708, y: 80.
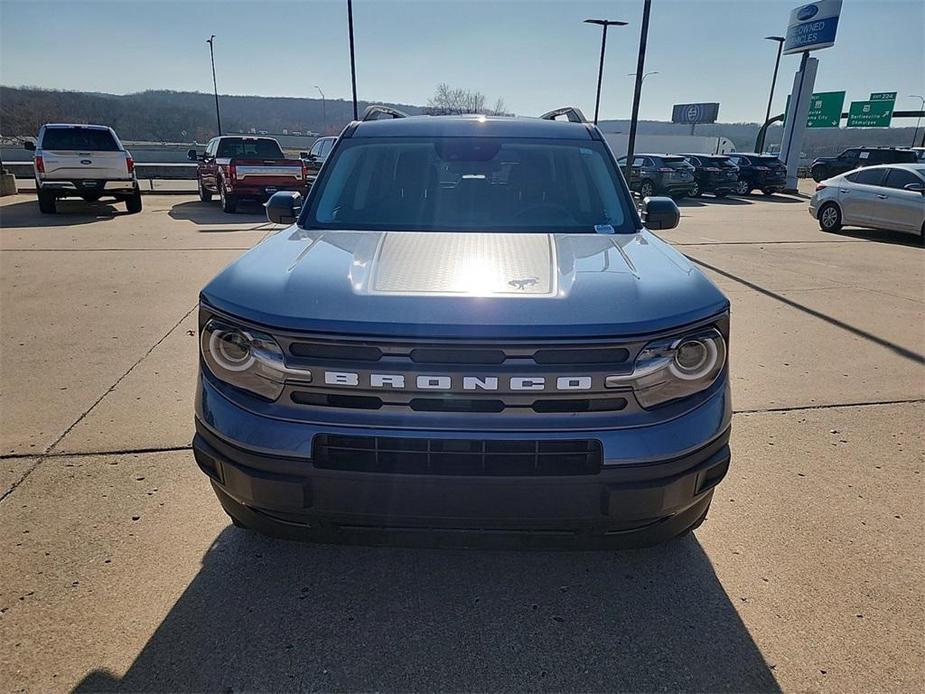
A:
x: 467, y: 378
x: 418, y: 456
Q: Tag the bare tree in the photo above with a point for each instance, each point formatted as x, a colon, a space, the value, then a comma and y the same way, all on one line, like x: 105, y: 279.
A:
x: 448, y: 101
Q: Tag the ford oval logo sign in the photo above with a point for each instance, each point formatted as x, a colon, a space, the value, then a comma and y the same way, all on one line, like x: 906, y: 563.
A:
x: 85, y: 161
x: 807, y: 12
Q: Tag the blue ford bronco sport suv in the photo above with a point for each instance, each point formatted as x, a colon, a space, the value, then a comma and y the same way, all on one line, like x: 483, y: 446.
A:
x: 465, y: 332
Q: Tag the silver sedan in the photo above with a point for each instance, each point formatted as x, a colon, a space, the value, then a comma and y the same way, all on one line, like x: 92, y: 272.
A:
x: 889, y: 197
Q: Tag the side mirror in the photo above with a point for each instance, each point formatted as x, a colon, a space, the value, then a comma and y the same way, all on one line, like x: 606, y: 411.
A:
x: 303, y: 155
x: 915, y: 187
x: 29, y: 145
x: 660, y: 213
x: 283, y: 207
x: 192, y: 155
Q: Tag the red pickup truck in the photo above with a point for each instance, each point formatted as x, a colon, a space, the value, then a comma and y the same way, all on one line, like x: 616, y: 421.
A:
x: 239, y: 167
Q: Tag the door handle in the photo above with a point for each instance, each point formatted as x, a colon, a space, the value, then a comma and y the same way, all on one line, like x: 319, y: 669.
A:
x: 843, y: 191
x: 881, y: 196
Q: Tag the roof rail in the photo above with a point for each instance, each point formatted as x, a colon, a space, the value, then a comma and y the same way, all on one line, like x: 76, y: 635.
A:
x: 574, y: 114
x: 373, y: 112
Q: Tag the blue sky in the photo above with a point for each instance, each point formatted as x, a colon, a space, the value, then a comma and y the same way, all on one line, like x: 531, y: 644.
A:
x: 535, y: 54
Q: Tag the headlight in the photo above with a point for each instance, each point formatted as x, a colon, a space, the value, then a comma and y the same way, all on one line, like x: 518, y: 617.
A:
x: 675, y: 367
x: 246, y: 359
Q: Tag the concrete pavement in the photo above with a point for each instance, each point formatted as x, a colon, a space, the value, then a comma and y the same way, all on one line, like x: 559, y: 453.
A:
x: 123, y: 573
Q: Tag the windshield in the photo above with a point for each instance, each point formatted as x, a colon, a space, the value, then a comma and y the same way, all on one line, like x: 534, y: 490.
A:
x: 79, y: 139
x: 249, y: 149
x: 470, y: 184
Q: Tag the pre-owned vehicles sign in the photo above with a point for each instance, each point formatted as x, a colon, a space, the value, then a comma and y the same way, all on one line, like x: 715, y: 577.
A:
x: 812, y: 26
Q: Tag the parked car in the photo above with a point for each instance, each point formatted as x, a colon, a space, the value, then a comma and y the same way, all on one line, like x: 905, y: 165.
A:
x: 713, y: 173
x: 919, y: 153
x: 317, y: 155
x: 510, y: 353
x: 856, y: 157
x: 763, y: 172
x: 85, y: 161
x: 888, y: 197
x: 242, y: 167
x: 660, y: 174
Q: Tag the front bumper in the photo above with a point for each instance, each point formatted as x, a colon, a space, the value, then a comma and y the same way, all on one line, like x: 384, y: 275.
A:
x: 655, y: 481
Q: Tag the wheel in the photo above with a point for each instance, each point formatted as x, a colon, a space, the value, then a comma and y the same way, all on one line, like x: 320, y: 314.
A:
x: 647, y: 189
x: 91, y: 197
x: 695, y: 190
x: 133, y: 204
x: 47, y: 204
x: 204, y: 194
x: 819, y: 173
x: 830, y: 217
x: 742, y: 187
x: 229, y: 202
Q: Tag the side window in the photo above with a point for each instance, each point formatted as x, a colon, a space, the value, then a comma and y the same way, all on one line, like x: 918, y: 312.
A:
x: 650, y: 162
x: 326, y: 148
x: 694, y: 160
x: 900, y: 178
x: 869, y: 177
x: 743, y: 161
x: 864, y: 158
x: 210, y: 148
x: 639, y: 161
x: 850, y: 154
x: 316, y: 148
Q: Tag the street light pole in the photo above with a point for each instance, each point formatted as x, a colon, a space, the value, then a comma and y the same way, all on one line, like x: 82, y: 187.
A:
x: 218, y: 115
x: 780, y: 47
x: 353, y: 65
x: 637, y: 92
x: 324, y: 110
x: 600, y: 71
x: 915, y: 135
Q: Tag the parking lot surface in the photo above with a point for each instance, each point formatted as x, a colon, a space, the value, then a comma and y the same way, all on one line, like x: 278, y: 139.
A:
x: 120, y: 571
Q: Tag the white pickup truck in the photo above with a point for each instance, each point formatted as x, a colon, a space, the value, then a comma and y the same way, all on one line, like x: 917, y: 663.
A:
x: 86, y: 161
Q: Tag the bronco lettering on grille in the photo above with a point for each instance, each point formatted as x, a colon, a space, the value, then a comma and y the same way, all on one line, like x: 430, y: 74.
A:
x: 443, y: 382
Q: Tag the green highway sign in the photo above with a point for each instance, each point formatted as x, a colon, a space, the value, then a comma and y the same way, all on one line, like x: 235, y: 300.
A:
x: 824, y: 110
x: 870, y: 114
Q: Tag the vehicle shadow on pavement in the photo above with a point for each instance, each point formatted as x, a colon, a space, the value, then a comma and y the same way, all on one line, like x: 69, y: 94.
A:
x: 897, y: 238
x: 210, y: 213
x: 707, y: 201
x: 24, y: 215
x: 272, y: 615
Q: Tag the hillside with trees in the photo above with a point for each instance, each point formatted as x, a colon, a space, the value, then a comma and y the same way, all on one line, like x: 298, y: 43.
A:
x: 168, y: 116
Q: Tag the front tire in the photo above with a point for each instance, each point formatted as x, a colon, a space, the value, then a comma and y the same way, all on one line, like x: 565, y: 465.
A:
x: 204, y: 194
x: 229, y: 202
x: 830, y: 218
x: 47, y: 203
x: 647, y: 189
x: 133, y: 204
x: 695, y: 191
x: 742, y: 187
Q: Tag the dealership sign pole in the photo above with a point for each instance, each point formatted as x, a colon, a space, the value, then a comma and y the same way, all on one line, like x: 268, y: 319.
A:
x: 812, y: 27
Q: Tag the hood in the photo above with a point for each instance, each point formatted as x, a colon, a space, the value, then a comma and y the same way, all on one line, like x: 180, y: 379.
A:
x: 465, y: 284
